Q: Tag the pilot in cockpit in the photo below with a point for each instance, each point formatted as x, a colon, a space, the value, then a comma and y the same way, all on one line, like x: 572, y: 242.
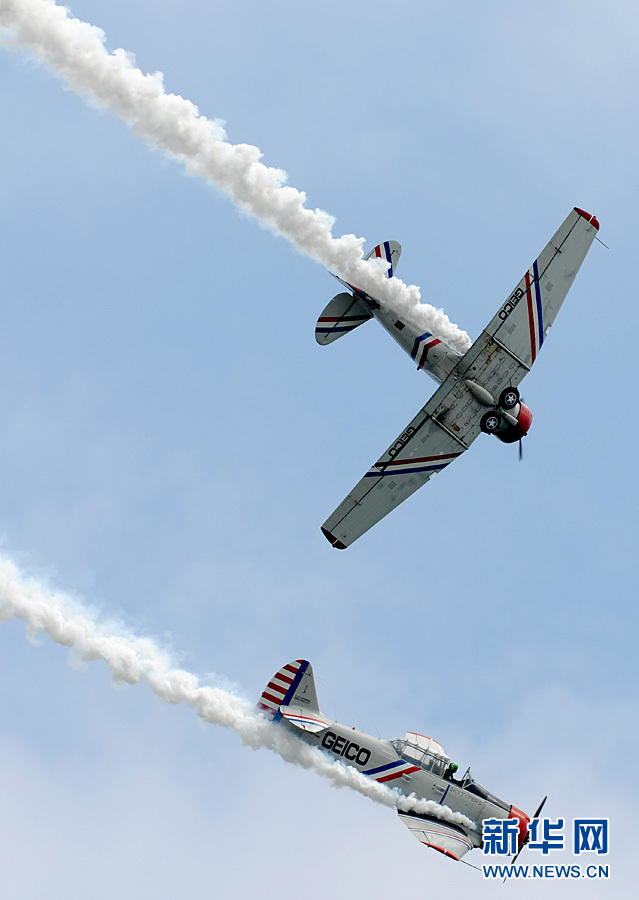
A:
x: 450, y: 772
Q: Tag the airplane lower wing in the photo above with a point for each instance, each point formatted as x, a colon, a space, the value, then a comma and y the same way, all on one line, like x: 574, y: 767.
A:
x: 450, y: 839
x: 440, y: 432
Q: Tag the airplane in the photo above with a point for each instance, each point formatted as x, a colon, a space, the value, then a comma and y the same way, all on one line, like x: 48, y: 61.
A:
x: 478, y: 390
x: 413, y: 765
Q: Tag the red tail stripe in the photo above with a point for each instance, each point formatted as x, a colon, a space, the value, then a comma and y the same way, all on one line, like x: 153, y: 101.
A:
x: 276, y: 700
x: 290, y: 668
x: 277, y: 687
x: 283, y: 678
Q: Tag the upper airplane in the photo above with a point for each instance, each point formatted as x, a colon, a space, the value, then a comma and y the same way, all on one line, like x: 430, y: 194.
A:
x: 478, y: 390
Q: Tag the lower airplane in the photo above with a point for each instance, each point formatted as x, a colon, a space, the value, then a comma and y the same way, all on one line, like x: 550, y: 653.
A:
x: 415, y: 764
x: 478, y: 390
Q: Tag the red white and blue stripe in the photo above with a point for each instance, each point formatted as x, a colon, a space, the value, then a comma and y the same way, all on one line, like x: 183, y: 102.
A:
x: 421, y: 347
x: 338, y: 324
x: 391, y: 771
x: 281, y: 688
x: 535, y: 311
x: 304, y: 720
x: 383, y: 251
x: 416, y: 464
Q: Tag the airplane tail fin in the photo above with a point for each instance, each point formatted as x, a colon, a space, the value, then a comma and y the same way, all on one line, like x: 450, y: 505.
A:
x: 292, y: 685
x: 390, y: 251
x: 345, y: 312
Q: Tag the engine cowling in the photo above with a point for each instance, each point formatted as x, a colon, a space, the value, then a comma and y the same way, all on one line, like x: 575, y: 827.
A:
x: 523, y: 823
x: 513, y: 433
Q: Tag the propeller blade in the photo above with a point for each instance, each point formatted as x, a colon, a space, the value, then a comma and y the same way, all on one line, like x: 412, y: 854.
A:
x: 521, y: 449
x: 516, y: 856
x: 514, y: 859
x: 527, y: 838
x: 540, y: 807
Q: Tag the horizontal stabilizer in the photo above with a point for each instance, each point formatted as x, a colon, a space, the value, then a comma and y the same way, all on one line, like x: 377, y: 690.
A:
x: 451, y: 840
x: 343, y: 314
x: 302, y: 718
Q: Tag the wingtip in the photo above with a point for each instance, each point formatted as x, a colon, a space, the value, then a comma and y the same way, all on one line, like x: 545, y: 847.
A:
x: 592, y: 219
x: 333, y: 540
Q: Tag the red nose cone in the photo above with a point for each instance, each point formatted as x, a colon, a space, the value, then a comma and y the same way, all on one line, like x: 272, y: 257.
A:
x: 524, y: 419
x: 524, y: 821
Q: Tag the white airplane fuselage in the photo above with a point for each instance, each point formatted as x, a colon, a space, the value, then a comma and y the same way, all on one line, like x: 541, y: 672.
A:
x: 430, y: 354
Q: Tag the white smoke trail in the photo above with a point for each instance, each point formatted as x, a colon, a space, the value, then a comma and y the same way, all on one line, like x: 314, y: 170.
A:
x: 75, y: 51
x: 132, y: 659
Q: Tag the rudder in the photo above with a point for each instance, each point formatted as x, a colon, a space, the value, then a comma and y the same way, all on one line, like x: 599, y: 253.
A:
x: 391, y: 252
x: 292, y: 684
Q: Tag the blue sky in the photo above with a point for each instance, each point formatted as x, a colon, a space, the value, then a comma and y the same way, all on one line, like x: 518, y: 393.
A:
x: 173, y: 438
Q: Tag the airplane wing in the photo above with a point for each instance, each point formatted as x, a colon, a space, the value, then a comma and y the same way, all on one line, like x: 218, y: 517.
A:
x: 450, y: 839
x: 440, y: 432
x: 507, y: 348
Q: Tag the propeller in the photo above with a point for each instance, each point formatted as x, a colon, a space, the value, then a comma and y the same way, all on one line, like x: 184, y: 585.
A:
x: 527, y: 838
x: 521, y: 449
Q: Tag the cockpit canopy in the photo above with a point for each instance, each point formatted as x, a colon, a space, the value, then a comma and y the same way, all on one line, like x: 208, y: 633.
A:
x: 422, y: 751
x: 429, y: 755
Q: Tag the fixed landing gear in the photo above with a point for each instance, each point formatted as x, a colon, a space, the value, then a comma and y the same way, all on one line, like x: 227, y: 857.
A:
x: 490, y: 422
x: 509, y: 398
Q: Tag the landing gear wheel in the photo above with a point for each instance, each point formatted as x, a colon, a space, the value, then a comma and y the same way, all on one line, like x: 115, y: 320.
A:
x: 509, y: 398
x: 490, y: 422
